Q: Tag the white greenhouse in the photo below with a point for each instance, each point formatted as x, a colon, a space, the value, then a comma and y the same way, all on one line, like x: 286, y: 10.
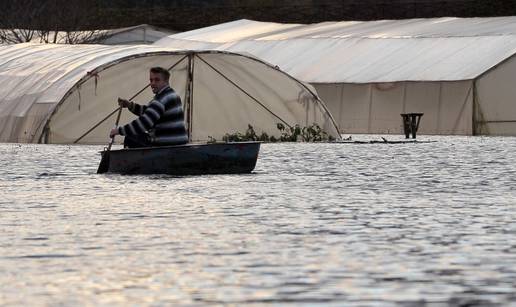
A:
x: 59, y: 93
x: 459, y: 72
x: 140, y: 34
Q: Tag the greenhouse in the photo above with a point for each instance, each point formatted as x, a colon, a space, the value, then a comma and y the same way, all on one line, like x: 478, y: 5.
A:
x: 459, y: 72
x: 68, y: 93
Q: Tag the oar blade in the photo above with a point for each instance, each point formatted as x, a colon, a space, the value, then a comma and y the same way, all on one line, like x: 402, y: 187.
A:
x: 104, y: 163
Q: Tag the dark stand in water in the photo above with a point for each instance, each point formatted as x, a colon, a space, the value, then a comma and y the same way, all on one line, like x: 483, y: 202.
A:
x: 411, y: 123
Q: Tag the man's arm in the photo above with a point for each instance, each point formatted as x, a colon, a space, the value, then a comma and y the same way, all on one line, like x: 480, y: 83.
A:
x: 144, y: 122
x: 135, y: 108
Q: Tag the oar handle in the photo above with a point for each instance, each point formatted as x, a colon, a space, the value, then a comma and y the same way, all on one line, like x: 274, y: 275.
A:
x: 116, y: 125
x: 111, y: 141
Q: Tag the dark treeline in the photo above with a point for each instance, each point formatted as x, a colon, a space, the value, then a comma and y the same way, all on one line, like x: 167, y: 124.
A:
x: 62, y: 15
x: 190, y: 14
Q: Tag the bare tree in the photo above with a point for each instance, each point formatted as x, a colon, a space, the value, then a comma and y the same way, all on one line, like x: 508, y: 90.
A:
x: 19, y: 20
x: 49, y: 21
x: 71, y: 22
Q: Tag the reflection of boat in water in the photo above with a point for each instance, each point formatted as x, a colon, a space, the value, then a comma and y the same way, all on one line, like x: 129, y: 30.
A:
x: 188, y: 159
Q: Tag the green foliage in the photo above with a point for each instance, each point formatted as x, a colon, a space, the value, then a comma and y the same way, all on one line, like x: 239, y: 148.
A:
x: 249, y: 135
x: 312, y: 133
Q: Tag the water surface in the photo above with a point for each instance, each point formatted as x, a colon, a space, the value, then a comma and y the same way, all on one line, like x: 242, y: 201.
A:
x: 429, y: 224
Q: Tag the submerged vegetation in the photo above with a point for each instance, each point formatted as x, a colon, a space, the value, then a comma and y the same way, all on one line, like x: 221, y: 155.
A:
x: 296, y: 133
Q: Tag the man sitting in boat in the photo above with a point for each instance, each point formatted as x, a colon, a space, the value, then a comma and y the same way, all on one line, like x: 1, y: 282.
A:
x: 160, y: 122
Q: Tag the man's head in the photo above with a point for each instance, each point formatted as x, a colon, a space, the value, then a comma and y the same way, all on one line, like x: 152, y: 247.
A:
x: 159, y: 77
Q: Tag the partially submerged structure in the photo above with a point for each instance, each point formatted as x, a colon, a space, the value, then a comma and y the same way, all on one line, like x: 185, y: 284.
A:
x: 135, y: 35
x: 58, y: 93
x: 459, y: 72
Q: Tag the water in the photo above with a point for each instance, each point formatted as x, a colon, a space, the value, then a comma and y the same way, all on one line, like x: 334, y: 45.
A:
x: 316, y: 224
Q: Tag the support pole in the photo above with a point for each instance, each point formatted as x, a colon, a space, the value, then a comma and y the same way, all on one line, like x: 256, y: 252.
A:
x: 243, y: 91
x: 189, y: 94
x: 113, y: 112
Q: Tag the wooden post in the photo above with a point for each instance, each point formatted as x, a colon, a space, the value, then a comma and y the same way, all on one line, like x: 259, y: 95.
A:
x: 189, y: 95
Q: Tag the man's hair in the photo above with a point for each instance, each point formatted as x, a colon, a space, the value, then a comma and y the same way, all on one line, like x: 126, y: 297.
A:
x: 162, y: 71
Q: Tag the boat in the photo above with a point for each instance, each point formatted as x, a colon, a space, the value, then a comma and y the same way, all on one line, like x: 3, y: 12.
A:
x: 188, y: 159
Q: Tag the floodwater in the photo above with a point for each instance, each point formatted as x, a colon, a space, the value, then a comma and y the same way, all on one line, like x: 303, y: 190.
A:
x: 428, y: 224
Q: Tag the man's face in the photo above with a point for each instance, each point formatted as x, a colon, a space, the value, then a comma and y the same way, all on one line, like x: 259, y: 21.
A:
x: 157, y: 82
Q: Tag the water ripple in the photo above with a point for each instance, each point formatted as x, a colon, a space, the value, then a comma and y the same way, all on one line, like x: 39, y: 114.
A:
x: 429, y: 224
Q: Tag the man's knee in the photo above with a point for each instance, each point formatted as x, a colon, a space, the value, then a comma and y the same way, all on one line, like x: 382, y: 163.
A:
x: 136, y: 141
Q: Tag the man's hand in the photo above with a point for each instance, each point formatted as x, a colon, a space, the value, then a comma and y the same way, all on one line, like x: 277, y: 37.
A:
x: 113, y: 132
x: 124, y: 103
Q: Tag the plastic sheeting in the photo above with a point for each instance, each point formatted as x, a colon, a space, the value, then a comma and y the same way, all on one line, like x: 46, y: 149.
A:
x: 495, y: 109
x: 140, y: 34
x: 376, y: 108
x: 55, y: 93
x: 457, y: 71
x: 420, y: 27
x: 443, y: 49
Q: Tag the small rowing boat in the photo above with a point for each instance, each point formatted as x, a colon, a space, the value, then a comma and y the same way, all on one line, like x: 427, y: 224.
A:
x: 188, y: 159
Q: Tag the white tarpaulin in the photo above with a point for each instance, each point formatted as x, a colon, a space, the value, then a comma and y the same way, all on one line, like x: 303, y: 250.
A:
x: 56, y: 93
x: 368, y: 72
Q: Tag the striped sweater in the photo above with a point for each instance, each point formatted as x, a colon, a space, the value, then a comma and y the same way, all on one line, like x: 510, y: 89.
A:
x: 162, y: 119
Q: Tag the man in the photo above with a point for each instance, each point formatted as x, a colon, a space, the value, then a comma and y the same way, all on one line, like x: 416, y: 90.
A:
x: 159, y: 123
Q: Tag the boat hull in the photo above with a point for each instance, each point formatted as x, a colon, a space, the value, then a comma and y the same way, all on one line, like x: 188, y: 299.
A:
x: 189, y: 159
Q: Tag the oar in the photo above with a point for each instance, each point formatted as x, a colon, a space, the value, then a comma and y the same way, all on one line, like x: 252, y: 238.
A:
x: 104, y: 162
